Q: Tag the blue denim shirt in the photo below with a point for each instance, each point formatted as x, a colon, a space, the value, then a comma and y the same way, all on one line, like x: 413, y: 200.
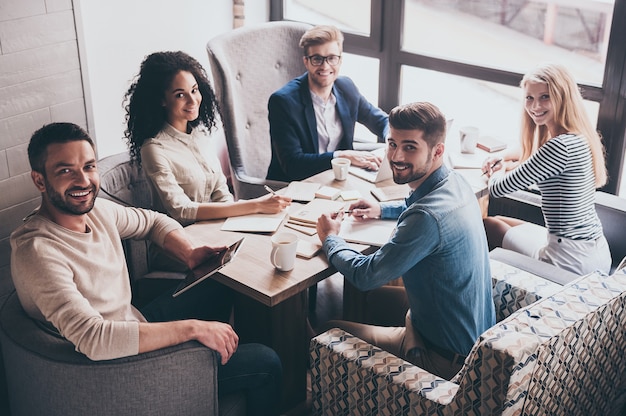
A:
x: 440, y: 249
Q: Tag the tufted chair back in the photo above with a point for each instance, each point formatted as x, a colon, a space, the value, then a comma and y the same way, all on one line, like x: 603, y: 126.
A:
x: 248, y: 64
x: 126, y: 184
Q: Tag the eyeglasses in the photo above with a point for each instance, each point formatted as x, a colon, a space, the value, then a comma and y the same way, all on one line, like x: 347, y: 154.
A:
x: 318, y: 60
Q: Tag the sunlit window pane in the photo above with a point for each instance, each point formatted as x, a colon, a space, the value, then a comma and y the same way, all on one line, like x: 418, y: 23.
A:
x: 494, y: 108
x: 512, y: 35
x: 364, y: 72
x: 348, y: 15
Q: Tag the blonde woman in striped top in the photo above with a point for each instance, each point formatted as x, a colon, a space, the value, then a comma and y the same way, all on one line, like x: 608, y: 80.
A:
x: 563, y: 155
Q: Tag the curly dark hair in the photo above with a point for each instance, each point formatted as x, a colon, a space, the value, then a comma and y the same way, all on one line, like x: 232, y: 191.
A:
x: 145, y: 114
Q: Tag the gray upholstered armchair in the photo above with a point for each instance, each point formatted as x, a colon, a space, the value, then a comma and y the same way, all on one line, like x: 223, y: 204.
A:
x: 46, y: 376
x: 248, y: 64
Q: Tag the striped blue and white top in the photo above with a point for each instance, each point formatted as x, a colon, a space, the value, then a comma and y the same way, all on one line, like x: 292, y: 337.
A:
x: 563, y: 170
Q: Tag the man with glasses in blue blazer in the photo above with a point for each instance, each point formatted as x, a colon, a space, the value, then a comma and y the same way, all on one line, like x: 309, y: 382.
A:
x: 312, y: 118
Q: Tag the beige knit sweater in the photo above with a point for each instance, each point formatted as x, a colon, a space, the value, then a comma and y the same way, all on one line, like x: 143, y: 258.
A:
x: 79, y: 282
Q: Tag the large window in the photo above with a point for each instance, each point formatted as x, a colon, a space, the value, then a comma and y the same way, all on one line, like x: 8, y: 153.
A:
x: 469, y: 56
x: 512, y: 35
x: 351, y: 16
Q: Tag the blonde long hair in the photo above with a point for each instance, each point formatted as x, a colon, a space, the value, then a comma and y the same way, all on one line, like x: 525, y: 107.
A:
x: 570, y: 114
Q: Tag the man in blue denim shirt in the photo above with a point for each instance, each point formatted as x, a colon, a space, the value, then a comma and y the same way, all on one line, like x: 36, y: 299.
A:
x: 439, y: 248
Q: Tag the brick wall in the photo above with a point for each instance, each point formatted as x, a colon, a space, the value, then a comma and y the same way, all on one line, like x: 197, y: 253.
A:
x: 40, y: 82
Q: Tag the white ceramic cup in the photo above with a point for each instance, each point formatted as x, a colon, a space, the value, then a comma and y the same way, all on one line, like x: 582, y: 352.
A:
x: 340, y: 168
x: 469, y: 138
x: 284, y: 247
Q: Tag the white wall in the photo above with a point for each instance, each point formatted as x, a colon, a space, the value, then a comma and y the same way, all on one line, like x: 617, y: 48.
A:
x: 115, y: 35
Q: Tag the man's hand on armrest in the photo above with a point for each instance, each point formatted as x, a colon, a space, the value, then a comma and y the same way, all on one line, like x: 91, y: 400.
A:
x: 218, y: 336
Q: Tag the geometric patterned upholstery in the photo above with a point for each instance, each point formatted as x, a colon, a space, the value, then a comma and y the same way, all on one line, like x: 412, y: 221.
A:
x: 559, y: 355
x: 514, y: 288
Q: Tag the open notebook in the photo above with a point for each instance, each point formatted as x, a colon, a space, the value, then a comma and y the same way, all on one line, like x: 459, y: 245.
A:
x: 255, y: 223
x: 374, y: 232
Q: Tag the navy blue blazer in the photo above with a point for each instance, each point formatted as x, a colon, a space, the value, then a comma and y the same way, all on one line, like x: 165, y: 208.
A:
x: 293, y: 129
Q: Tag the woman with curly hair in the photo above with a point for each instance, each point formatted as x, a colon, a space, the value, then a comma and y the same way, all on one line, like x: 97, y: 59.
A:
x: 563, y: 155
x: 170, y: 112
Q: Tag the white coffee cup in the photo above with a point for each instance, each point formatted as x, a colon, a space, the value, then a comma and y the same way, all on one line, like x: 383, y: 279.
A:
x: 284, y: 247
x: 469, y: 138
x: 340, y: 168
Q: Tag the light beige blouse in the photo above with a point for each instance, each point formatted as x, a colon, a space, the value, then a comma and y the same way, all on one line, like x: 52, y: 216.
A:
x: 184, y: 171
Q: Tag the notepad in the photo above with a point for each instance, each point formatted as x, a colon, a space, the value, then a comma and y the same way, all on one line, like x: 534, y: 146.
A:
x: 255, y: 223
x: 328, y: 192
x: 301, y: 191
x: 460, y: 160
x: 374, y: 232
x: 350, y: 195
x: 490, y: 144
x: 391, y: 192
x: 310, y: 212
x: 307, y: 249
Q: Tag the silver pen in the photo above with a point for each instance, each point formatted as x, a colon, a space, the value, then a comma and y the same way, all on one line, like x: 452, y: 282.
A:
x: 493, y: 165
x: 268, y: 189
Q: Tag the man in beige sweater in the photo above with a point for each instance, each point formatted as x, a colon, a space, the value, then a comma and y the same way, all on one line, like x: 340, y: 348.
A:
x: 69, y: 269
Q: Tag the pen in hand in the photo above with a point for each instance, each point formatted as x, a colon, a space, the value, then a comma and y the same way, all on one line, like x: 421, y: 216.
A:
x: 270, y: 190
x: 493, y: 165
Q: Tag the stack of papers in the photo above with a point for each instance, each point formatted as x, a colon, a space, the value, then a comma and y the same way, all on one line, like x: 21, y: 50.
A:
x: 373, y: 232
x: 303, y: 218
x: 310, y: 212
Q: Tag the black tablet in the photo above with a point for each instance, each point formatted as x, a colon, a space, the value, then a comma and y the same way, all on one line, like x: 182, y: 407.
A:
x: 209, y: 267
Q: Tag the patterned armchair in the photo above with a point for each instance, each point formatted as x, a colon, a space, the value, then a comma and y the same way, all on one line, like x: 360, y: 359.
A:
x: 556, y: 350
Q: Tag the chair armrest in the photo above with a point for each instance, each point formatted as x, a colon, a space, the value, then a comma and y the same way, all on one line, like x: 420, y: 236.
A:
x: 524, y: 205
x: 515, y: 288
x: 349, y: 376
x: 534, y: 266
x: 248, y: 187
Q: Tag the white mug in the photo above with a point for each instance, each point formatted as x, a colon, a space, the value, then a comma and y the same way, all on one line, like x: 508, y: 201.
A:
x: 469, y: 138
x: 340, y: 168
x: 284, y: 247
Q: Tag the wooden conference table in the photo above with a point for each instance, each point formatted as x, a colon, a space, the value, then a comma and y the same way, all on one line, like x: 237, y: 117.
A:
x: 271, y: 306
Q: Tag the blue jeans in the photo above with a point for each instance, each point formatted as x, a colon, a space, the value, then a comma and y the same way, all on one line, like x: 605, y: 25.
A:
x: 254, y: 369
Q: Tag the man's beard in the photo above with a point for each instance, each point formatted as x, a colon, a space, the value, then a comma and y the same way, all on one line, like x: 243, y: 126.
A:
x: 413, y: 176
x: 56, y: 199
